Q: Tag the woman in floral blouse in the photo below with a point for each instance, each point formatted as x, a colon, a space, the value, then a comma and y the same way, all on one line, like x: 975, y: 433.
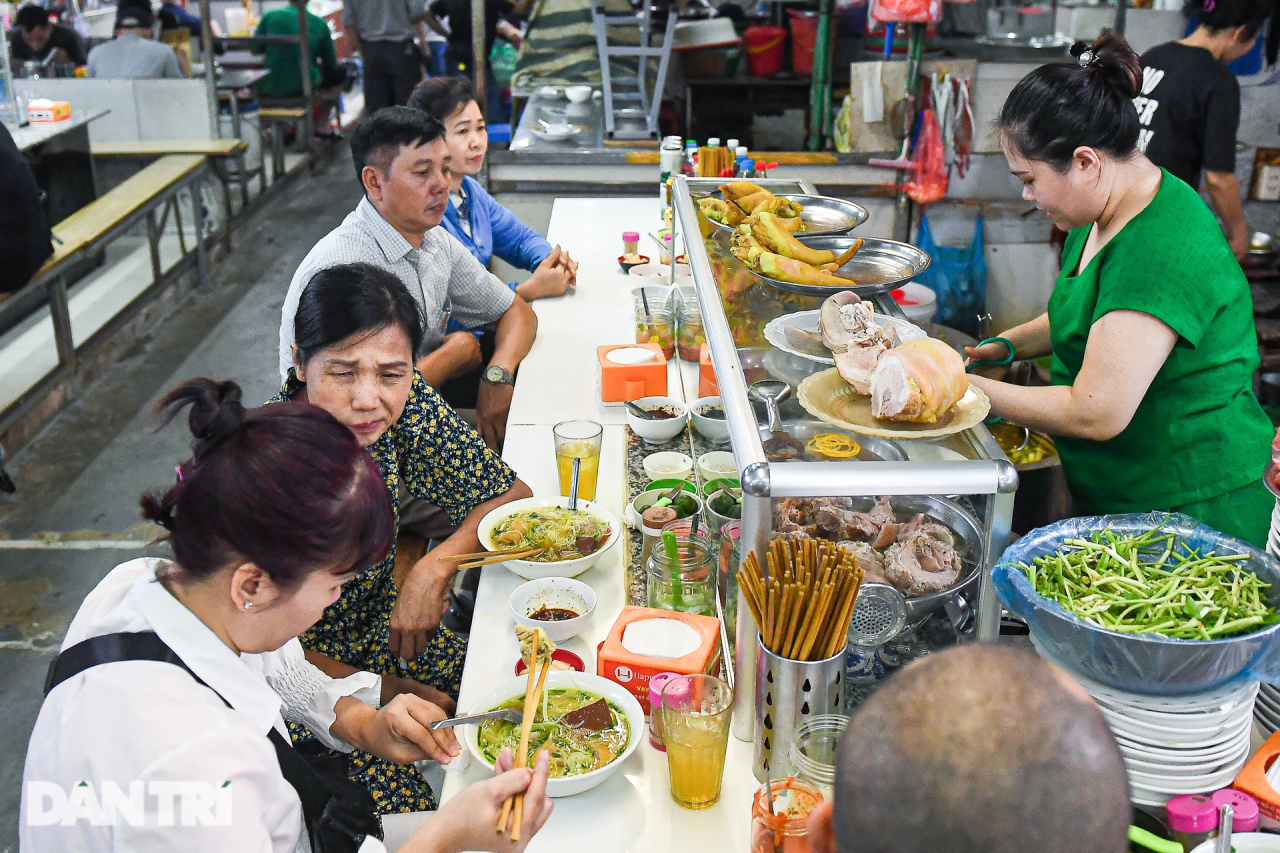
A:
x: 356, y: 331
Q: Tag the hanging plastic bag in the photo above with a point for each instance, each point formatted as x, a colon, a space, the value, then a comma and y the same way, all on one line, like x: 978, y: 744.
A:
x: 958, y: 276
x: 929, y: 171
x: 1140, y: 663
x: 906, y: 11
x: 503, y: 61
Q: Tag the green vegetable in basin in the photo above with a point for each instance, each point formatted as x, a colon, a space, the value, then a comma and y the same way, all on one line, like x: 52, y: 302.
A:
x: 1151, y: 583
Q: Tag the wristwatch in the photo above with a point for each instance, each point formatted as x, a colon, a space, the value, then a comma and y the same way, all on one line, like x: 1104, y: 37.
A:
x: 499, y: 375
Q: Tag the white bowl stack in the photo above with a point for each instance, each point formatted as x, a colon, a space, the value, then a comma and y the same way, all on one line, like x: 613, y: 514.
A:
x: 1266, y: 710
x: 1174, y: 745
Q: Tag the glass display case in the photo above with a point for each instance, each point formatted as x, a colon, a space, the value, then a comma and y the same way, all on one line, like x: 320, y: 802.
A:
x: 962, y: 480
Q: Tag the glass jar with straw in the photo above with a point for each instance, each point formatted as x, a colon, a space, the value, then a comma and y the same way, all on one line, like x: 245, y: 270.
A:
x: 682, y: 571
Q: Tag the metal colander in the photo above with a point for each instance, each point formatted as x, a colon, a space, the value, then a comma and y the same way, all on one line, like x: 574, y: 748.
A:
x: 879, y: 615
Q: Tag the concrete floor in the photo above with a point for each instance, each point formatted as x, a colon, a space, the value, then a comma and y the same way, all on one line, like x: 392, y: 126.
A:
x: 81, y: 477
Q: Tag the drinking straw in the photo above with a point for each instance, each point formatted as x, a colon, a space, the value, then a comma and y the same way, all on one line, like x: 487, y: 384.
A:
x: 673, y: 558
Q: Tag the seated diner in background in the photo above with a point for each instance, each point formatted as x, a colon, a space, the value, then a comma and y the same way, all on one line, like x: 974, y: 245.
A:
x: 981, y: 748
x: 36, y: 38
x: 285, y: 80
x: 1151, y: 333
x: 133, y: 54
x: 357, y: 329
x: 478, y: 222
x: 402, y: 161
x: 183, y: 671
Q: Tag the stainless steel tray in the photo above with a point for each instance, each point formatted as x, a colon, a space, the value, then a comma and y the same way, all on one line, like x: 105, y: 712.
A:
x: 880, y: 266
x: 873, y: 449
x: 824, y: 215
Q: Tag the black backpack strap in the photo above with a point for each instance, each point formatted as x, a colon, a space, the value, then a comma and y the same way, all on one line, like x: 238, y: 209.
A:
x: 109, y: 648
x: 312, y: 790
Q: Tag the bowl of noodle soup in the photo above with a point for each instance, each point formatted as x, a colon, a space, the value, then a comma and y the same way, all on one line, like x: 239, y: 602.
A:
x: 580, y: 761
x: 542, y: 522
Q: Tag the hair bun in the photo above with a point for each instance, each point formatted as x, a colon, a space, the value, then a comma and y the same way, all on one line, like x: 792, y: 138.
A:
x: 159, y: 510
x: 1111, y: 58
x: 216, y: 411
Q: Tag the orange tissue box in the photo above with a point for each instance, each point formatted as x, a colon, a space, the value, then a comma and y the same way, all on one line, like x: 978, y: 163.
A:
x: 44, y: 110
x: 644, y: 642
x: 708, y: 385
x: 1253, y: 781
x: 627, y: 373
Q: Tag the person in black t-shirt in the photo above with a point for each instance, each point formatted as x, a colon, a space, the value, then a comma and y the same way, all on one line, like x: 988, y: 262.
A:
x: 26, y: 244
x: 1189, y: 104
x: 34, y: 37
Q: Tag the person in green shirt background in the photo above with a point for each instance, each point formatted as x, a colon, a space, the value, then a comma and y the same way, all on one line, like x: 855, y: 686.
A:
x: 1150, y: 324
x: 285, y: 80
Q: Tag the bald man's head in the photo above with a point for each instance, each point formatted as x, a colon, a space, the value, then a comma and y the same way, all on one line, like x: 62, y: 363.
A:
x: 980, y: 749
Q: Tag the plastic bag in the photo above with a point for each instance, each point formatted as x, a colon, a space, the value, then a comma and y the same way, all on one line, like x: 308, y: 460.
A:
x: 929, y: 179
x: 957, y: 276
x: 502, y: 59
x: 1140, y: 663
x: 907, y: 11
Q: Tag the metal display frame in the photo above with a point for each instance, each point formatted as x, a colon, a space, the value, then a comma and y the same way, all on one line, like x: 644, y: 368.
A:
x: 991, y: 474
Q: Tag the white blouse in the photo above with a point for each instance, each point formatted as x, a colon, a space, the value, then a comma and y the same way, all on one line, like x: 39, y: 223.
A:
x: 168, y: 765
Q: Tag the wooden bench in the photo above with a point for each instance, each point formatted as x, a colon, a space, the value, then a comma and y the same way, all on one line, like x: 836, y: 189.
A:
x: 217, y: 150
x: 88, y: 231
x: 277, y: 118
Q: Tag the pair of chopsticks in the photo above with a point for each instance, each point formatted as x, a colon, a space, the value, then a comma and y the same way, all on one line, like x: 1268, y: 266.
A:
x: 485, y: 558
x: 531, y: 698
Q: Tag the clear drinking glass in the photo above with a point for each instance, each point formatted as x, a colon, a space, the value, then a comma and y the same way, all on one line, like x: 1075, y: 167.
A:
x: 696, y: 711
x: 578, y: 440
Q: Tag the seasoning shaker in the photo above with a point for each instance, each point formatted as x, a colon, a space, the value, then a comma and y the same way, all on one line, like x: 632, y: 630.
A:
x: 657, y: 731
x: 651, y: 523
x: 1193, y: 818
x: 630, y: 242
x: 1245, y: 808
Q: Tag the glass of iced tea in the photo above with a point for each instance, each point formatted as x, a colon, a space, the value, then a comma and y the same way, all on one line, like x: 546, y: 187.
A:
x: 696, y: 711
x: 578, y: 440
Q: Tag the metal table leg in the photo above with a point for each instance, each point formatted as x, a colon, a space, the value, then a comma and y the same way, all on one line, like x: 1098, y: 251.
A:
x: 202, y: 255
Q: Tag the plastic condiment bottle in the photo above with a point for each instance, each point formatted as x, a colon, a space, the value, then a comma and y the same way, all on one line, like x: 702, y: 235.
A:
x: 1245, y: 807
x: 652, y: 521
x: 713, y: 142
x: 657, y: 732
x: 630, y: 242
x: 1193, y: 819
x: 731, y: 144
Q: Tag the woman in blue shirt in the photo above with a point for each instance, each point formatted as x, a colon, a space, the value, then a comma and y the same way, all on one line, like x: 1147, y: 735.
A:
x: 485, y: 227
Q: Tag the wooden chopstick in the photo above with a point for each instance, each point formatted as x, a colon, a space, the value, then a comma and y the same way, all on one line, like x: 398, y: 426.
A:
x: 526, y: 724
x: 501, y: 558
x: 537, y: 695
x: 480, y: 555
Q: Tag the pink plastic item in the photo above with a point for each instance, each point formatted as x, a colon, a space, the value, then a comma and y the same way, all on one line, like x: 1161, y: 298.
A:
x: 1192, y: 813
x: 1244, y: 806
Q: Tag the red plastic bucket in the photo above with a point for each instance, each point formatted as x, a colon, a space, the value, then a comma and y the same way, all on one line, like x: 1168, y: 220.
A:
x: 764, y: 50
x: 804, y: 34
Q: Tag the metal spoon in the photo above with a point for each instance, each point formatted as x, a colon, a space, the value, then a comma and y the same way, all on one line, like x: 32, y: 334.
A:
x: 573, y: 482
x: 642, y: 414
x: 1225, y: 820
x: 771, y: 392
x: 511, y: 715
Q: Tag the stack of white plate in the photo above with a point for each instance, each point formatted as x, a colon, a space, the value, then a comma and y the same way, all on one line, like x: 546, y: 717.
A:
x: 1266, y: 711
x: 1174, y: 745
x: 1273, y: 540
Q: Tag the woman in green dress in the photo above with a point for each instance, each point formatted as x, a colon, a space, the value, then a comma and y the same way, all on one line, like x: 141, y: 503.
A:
x: 1150, y: 324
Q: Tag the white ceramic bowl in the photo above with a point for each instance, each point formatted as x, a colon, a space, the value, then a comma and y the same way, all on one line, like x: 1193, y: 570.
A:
x: 658, y: 432
x: 717, y: 463
x: 662, y: 272
x: 578, y: 94
x: 554, y: 592
x: 712, y: 429
x: 1245, y: 842
x: 570, y: 785
x: 564, y: 568
x: 668, y: 465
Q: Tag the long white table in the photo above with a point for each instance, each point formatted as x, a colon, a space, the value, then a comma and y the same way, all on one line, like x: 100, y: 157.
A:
x: 633, y: 811
x: 558, y: 378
